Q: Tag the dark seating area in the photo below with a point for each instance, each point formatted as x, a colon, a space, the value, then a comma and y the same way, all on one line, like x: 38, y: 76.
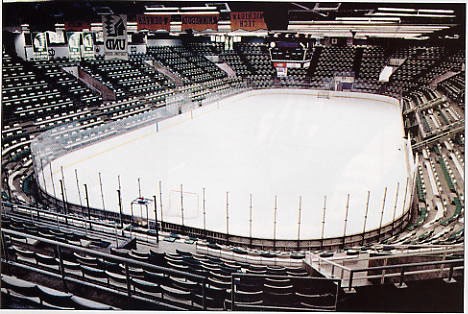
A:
x: 40, y: 297
x: 284, y: 292
x: 454, y: 88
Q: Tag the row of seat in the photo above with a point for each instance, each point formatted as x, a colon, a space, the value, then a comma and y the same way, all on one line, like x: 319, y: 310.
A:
x: 46, y: 298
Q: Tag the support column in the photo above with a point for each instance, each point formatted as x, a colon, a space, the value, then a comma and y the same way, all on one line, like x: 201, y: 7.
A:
x: 102, y: 192
x: 182, y: 204
x: 87, y: 204
x: 120, y: 208
x: 63, y: 182
x: 299, y: 223
x: 404, y: 204
x: 365, y: 218
x: 406, y: 194
x: 413, y: 183
x: 139, y: 195
x: 161, y: 204
x: 156, y: 218
x: 52, y: 179
x: 395, y: 207
x: 204, y: 210
x: 323, y: 221
x: 382, y: 213
x: 250, y: 219
x: 346, y: 220
x: 275, y: 212
x: 63, y: 201
x: 227, y: 213
x: 43, y: 177
x: 78, y: 187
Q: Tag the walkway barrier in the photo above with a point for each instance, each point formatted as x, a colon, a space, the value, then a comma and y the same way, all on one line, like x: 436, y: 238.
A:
x: 418, y: 262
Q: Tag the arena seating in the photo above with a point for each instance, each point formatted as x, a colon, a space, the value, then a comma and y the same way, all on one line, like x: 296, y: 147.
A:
x: 206, y: 48
x: 333, y: 60
x: 235, y: 62
x: 258, y: 61
x: 55, y: 75
x: 454, y: 88
x: 40, y: 95
x: 416, y: 62
x: 46, y: 298
x: 123, y: 75
x: 197, y: 70
x: 153, y: 275
x: 25, y: 96
x: 372, y: 63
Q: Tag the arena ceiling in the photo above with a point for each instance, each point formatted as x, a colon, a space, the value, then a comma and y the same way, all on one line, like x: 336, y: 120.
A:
x: 388, y: 20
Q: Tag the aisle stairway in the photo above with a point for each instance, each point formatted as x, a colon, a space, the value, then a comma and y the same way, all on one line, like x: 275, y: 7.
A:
x: 226, y: 68
x: 167, y: 72
x: 442, y: 78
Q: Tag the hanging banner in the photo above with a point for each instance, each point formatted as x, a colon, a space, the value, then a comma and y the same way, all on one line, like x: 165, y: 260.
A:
x: 76, y: 26
x: 74, y: 45
x: 115, y: 36
x: 88, y: 46
x: 99, y: 37
x: 248, y: 21
x: 200, y: 22
x: 153, y: 22
x: 56, y: 37
x: 39, y: 42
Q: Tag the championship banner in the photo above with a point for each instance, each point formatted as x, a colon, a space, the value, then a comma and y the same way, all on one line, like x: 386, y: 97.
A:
x: 88, y: 46
x: 39, y: 42
x: 248, y: 21
x: 153, y: 22
x: 76, y: 26
x: 115, y: 36
x: 200, y: 22
x: 74, y: 45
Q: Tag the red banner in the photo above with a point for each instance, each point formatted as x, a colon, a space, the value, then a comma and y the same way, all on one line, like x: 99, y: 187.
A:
x: 279, y: 64
x: 153, y: 22
x: 77, y: 26
x: 248, y: 21
x: 200, y: 22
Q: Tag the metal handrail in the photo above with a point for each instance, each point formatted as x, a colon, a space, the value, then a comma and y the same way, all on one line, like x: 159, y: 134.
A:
x: 447, y: 261
x: 203, y: 281
x: 331, y: 262
x: 56, y: 213
x: 127, y: 261
x: 402, y: 268
x: 438, y: 249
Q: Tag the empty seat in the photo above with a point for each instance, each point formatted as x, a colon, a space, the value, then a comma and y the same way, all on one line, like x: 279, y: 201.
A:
x: 146, y: 286
x: 55, y: 297
x: 85, y: 304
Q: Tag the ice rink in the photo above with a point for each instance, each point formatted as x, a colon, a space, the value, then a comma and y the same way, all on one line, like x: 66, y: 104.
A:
x: 283, y: 143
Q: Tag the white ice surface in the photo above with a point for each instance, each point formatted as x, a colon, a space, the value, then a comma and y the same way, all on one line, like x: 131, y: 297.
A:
x: 283, y: 142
